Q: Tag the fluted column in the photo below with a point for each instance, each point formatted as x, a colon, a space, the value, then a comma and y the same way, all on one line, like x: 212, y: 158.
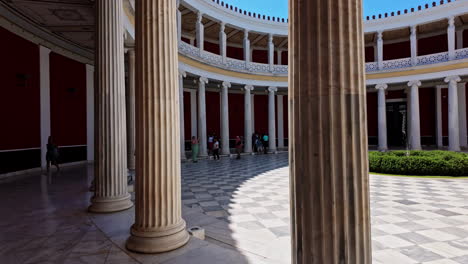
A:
x: 415, y: 133
x: 222, y: 41
x: 248, y: 118
x: 271, y: 119
x: 225, y: 118
x: 182, y: 75
x: 280, y: 118
x: 202, y: 117
x: 380, y: 49
x: 440, y: 141
x: 111, y: 148
x: 414, y: 45
x: 193, y: 113
x: 382, y: 116
x: 130, y: 92
x: 200, y: 32
x: 246, y: 45
x: 328, y: 133
x: 453, y: 117
x: 158, y: 226
x: 451, y: 37
x: 179, y: 22
x: 271, y: 51
x: 462, y: 114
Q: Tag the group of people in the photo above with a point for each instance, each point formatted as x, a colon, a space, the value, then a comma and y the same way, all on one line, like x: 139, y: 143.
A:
x: 260, y: 145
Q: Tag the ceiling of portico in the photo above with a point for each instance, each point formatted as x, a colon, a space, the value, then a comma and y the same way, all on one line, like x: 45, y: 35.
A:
x: 72, y: 20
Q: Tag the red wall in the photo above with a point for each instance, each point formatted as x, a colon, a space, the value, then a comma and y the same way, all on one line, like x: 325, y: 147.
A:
x: 395, y: 94
x: 19, y: 98
x: 260, y: 56
x: 372, y: 118
x: 427, y: 112
x: 67, y: 100
x: 235, y: 53
x: 236, y: 115
x: 432, y: 45
x: 211, y: 47
x: 465, y: 38
x: 397, y: 50
x: 444, y: 95
x: 213, y: 113
x: 369, y: 54
x: 187, y: 116
x: 284, y: 58
x: 261, y: 113
x: 186, y: 40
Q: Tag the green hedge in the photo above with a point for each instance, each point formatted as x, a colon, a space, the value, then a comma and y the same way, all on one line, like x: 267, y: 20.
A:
x: 424, y: 163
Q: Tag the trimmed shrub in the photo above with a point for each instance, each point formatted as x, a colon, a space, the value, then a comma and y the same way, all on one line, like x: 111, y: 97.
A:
x: 424, y: 163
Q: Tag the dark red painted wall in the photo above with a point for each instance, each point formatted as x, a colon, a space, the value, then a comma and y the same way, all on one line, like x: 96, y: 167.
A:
x: 261, y: 113
x: 235, y: 53
x: 19, y: 93
x: 187, y: 116
x: 397, y: 50
x: 465, y: 38
x: 260, y: 56
x: 372, y: 118
x: 236, y: 115
x: 67, y: 100
x: 212, y: 113
x: 186, y: 40
x: 369, y: 54
x: 284, y: 58
x: 211, y: 47
x: 427, y: 112
x: 432, y: 45
x: 395, y: 94
x: 444, y: 95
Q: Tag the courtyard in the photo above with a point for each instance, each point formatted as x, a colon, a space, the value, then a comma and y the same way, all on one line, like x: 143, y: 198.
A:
x: 243, y: 206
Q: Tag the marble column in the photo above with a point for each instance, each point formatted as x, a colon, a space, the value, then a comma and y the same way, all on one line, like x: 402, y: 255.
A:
x: 202, y: 136
x: 271, y: 120
x: 246, y: 45
x: 440, y: 142
x: 253, y: 112
x: 453, y: 117
x: 271, y: 51
x: 200, y: 31
x: 158, y: 226
x: 280, y: 119
x: 382, y: 116
x: 415, y: 133
x: 193, y: 113
x: 279, y: 55
x: 462, y: 114
x: 44, y: 83
x: 110, y: 171
x: 248, y: 119
x: 90, y: 113
x: 451, y: 37
x: 225, y: 118
x: 380, y: 49
x: 222, y: 41
x: 179, y: 22
x: 131, y: 110
x: 328, y: 136
x: 182, y: 75
x: 414, y: 45
x: 459, y: 39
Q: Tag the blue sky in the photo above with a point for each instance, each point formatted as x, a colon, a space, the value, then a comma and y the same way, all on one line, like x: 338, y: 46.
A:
x: 280, y: 7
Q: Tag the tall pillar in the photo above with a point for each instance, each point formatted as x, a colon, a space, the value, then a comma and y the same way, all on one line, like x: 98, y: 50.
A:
x: 202, y: 117
x: 248, y: 119
x: 225, y: 118
x: 179, y: 23
x: 328, y: 139
x: 158, y: 226
x: 271, y: 119
x: 451, y: 37
x: 200, y: 32
x: 415, y: 133
x: 222, y: 41
x: 280, y: 121
x: 247, y: 52
x: 453, y: 117
x: 414, y: 45
x: 459, y: 39
x: 382, y: 116
x: 193, y: 113
x: 279, y: 55
x: 110, y: 170
x: 440, y: 142
x: 462, y: 114
x: 253, y: 112
x: 271, y: 51
x: 90, y: 112
x: 44, y: 82
x: 380, y: 49
x: 182, y: 75
x: 130, y: 92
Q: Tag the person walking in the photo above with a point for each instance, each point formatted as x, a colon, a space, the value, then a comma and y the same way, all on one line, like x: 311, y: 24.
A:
x: 265, y: 143
x: 216, y: 149
x: 210, y: 143
x: 195, y: 148
x: 239, y: 146
x: 52, y: 154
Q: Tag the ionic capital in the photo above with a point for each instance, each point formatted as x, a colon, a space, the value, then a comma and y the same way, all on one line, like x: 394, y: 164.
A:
x: 248, y: 88
x: 199, y: 17
x: 246, y: 34
x: 203, y: 80
x: 270, y: 38
x: 451, y: 79
x: 272, y: 89
x: 451, y: 21
x: 226, y: 85
x: 382, y: 86
x: 414, y: 83
x: 182, y: 74
x: 222, y: 26
x: 414, y: 30
x: 379, y: 35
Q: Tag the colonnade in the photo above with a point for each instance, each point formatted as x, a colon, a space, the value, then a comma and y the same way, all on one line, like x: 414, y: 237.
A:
x: 457, y: 117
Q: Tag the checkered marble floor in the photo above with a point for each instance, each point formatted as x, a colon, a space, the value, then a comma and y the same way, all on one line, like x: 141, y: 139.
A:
x: 414, y: 220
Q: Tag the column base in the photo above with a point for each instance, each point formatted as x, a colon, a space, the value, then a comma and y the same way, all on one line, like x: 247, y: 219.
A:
x: 110, y: 205
x: 158, y: 242
x: 383, y: 149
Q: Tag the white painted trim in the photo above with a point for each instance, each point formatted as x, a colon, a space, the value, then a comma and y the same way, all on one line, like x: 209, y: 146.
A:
x: 44, y: 64
x: 90, y: 112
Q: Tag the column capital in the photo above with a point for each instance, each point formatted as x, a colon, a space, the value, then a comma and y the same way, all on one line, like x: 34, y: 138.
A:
x: 246, y: 34
x: 451, y: 21
x: 270, y: 38
x: 382, y: 86
x: 414, y: 29
x: 414, y: 83
x: 44, y: 50
x: 226, y: 85
x: 454, y: 78
x: 272, y: 89
x: 199, y: 17
x: 379, y: 35
x: 182, y: 74
x: 248, y: 87
x: 203, y: 80
x: 222, y: 26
